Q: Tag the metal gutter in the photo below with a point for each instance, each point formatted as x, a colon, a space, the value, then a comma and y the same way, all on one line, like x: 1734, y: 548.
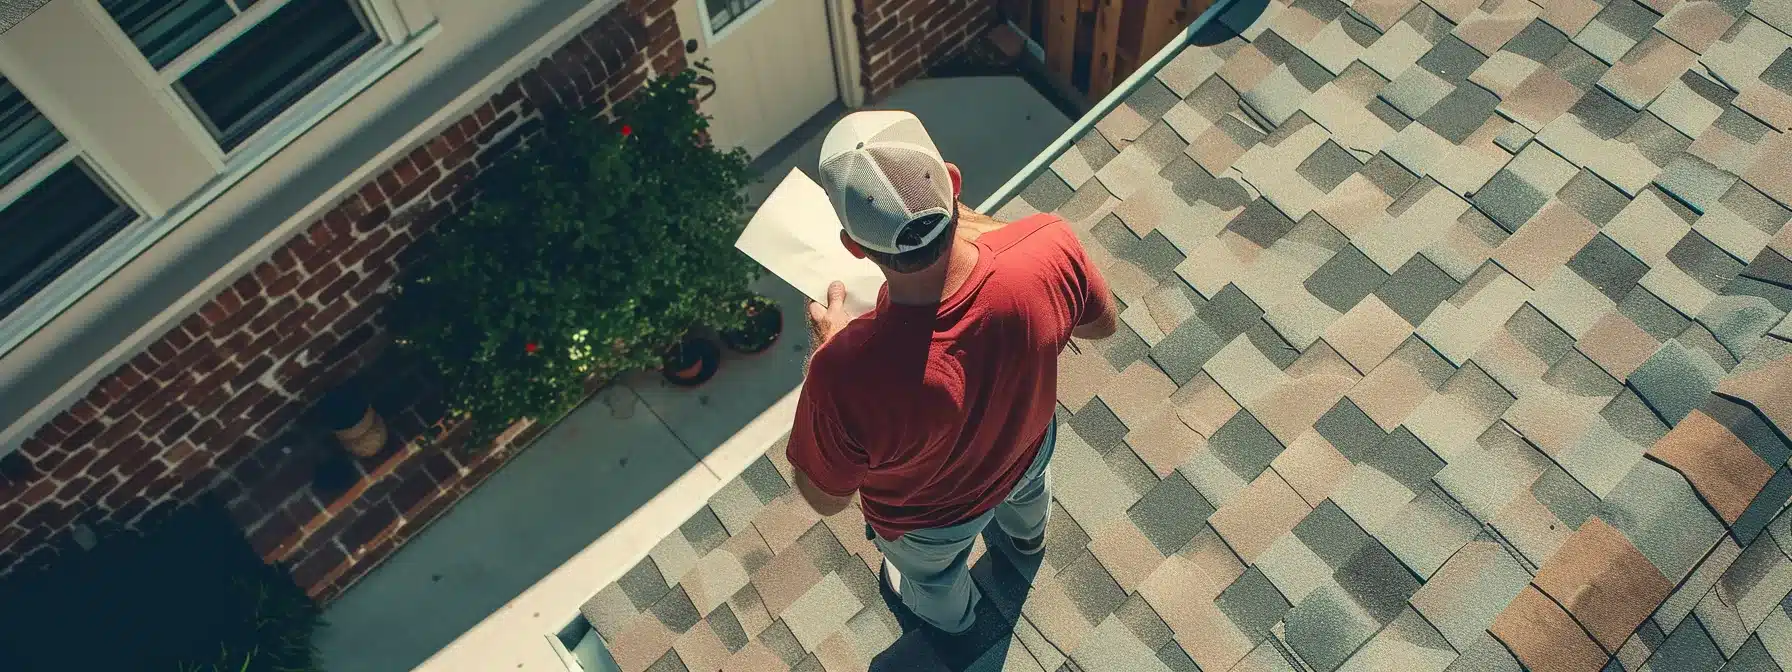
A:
x: 1107, y: 104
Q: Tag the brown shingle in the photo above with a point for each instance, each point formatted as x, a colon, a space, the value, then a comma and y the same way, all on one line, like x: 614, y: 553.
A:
x: 1544, y: 638
x: 1724, y: 470
x: 1604, y: 582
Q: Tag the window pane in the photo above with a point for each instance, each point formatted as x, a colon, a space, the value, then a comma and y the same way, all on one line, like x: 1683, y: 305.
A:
x: 52, y: 226
x: 164, y: 29
x: 271, y: 66
x: 26, y: 137
x: 719, y: 14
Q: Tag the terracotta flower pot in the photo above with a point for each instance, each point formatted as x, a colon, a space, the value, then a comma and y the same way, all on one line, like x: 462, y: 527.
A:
x: 348, y: 416
x: 691, y: 363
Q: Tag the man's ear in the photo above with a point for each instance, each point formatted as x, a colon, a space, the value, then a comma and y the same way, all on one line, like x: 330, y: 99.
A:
x: 957, y: 179
x: 852, y: 246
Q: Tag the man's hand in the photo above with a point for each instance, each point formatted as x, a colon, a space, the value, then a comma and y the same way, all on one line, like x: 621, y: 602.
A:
x: 825, y: 321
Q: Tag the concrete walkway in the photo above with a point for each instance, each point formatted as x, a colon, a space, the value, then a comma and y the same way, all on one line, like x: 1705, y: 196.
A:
x: 512, y: 562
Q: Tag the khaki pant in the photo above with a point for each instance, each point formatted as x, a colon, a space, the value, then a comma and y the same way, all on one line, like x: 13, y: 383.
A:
x: 936, y: 584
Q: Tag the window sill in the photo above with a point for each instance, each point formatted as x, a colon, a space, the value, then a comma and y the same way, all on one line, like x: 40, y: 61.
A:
x: 115, y: 253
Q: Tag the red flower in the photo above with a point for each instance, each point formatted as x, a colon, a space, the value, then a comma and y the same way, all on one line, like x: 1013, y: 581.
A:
x: 626, y: 131
x: 530, y: 348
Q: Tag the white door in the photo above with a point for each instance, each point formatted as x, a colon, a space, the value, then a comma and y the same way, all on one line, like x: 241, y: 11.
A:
x: 773, y: 66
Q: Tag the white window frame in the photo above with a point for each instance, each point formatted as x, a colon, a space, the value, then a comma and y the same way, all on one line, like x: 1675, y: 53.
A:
x: 711, y: 35
x: 401, y: 33
x: 59, y: 158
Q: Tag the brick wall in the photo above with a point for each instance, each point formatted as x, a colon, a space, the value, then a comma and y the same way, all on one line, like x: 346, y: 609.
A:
x: 900, y: 39
x: 212, y: 404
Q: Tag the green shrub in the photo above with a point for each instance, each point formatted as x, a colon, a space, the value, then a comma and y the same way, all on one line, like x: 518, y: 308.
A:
x: 188, y: 594
x: 589, y: 252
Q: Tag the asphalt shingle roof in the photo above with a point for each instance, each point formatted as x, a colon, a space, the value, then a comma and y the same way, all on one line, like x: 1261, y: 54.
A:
x: 1455, y: 337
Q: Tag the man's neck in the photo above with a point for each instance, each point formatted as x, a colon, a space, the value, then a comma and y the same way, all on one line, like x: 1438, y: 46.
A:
x: 935, y: 284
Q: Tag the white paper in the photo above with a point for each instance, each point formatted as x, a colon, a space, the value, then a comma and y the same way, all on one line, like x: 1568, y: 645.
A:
x: 796, y: 236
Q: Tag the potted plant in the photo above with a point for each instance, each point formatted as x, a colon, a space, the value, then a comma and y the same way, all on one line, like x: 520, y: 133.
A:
x: 591, y: 250
x: 764, y: 322
x: 691, y: 362
x: 348, y: 415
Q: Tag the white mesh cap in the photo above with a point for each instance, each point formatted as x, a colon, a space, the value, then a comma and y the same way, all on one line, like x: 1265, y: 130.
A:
x: 882, y: 173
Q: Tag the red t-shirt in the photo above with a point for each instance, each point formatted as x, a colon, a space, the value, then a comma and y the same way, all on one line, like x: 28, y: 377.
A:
x: 933, y: 413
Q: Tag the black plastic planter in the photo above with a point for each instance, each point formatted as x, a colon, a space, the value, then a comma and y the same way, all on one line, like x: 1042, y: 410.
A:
x: 691, y: 363
x: 764, y: 323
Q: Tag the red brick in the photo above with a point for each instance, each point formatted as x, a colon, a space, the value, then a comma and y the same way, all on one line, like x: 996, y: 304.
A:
x: 101, y: 487
x: 439, y: 147
x: 303, y: 508
x: 404, y: 171
x: 320, y: 278
x: 35, y: 448
x: 37, y: 494
x: 416, y: 487
x: 460, y: 156
x: 329, y: 295
x: 501, y: 125
x: 418, y: 187
x: 420, y: 158
x: 430, y: 511
x: 176, y: 430
x: 274, y: 535
x: 136, y: 485
x: 469, y: 125
x: 389, y: 182
x: 371, y: 195
x: 367, y: 525
x: 310, y: 573
x: 76, y: 463
x: 243, y: 315
x: 118, y: 430
x: 285, y: 259
x: 486, y: 113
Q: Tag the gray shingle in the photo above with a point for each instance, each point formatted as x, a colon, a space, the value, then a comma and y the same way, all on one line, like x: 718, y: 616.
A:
x: 1152, y: 99
x: 1351, y: 431
x: 763, y: 479
x: 1539, y: 41
x: 1047, y: 192
x: 1461, y: 113
x: 1091, y: 588
x: 1171, y: 513
x: 1452, y: 60
x: 1244, y: 445
x: 1508, y: 200
x: 1345, y: 278
x: 1416, y: 289
x: 1230, y: 312
x: 1182, y: 352
x: 1405, y: 458
x: 1331, y: 534
x: 1377, y: 581
x: 1328, y: 166
x: 1689, y: 648
x: 643, y: 584
x: 1253, y: 603
x: 1097, y: 425
x: 1608, y: 267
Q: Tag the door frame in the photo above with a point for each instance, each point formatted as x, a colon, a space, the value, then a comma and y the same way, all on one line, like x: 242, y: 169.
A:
x: 843, y: 40
x: 844, y: 36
